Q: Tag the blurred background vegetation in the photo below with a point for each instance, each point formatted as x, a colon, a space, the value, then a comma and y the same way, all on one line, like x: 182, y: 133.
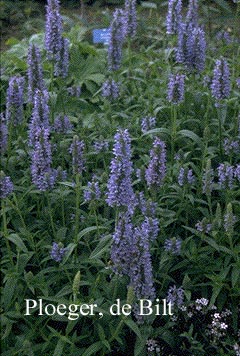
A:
x: 22, y: 18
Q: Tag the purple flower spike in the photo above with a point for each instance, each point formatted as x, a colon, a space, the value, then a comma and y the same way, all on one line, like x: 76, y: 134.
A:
x: 131, y: 17
x: 57, y: 252
x: 110, y: 89
x: 76, y: 149
x: 156, y: 171
x: 35, y: 72
x: 40, y: 115
x: 175, y: 296
x: 117, y: 35
x: 92, y: 192
x: 62, y: 124
x: 15, y: 100
x: 176, y: 88
x: 173, y: 245
x: 6, y: 186
x: 3, y: 133
x: 54, y: 29
x: 192, y: 13
x: 120, y: 191
x: 174, y: 16
x: 221, y: 80
x: 43, y: 176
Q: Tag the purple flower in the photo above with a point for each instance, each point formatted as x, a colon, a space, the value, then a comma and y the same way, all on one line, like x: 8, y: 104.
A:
x: 131, y: 18
x: 54, y: 29
x: 191, y: 47
x: 57, y: 47
x: 120, y: 191
x: 148, y: 123
x: 176, y: 88
x: 100, y: 146
x: 15, y: 100
x: 76, y: 149
x: 6, y: 185
x: 174, y: 16
x: 221, y: 80
x: 43, y: 176
x: 35, y: 72
x: 61, y: 66
x: 40, y: 115
x: 3, y: 133
x: 225, y: 36
x: 117, y: 34
x: 231, y: 146
x: 237, y: 172
x: 110, y: 89
x: 74, y: 91
x: 62, y: 124
x: 140, y: 269
x: 175, y: 296
x: 203, y: 226
x: 120, y: 250
x: 173, y: 245
x: 57, y: 252
x: 93, y: 191
x: 148, y: 208
x: 225, y: 176
x: 192, y: 13
x: 185, y: 176
x: 156, y: 171
x: 196, y: 49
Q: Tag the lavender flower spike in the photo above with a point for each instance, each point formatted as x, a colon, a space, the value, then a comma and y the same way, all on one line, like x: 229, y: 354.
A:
x: 192, y: 13
x: 54, y: 29
x: 6, y: 185
x: 221, y: 80
x: 110, y: 89
x: 141, y: 272
x: 174, y: 16
x: 40, y: 115
x: 117, y: 34
x: 76, y: 149
x: 156, y: 171
x: 57, y: 252
x: 43, y: 176
x: 120, y: 191
x: 15, y: 100
x: 131, y: 17
x: 3, y: 133
x: 35, y: 72
x: 176, y: 88
x: 120, y: 250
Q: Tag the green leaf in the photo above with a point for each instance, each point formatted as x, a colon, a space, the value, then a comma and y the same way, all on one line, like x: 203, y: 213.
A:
x: 149, y: 5
x: 130, y: 323
x: 16, y: 239
x: 59, y: 348
x: 191, y: 135
x: 88, y: 230
x: 93, y: 349
x: 235, y: 276
x: 102, y: 247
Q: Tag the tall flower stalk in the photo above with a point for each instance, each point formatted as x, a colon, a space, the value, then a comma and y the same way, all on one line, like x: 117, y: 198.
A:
x: 119, y: 188
x: 35, y: 72
x: 117, y: 35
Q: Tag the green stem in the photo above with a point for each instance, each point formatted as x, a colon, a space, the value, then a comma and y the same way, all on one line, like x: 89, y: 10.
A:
x: 5, y: 232
x: 77, y: 214
x: 50, y: 214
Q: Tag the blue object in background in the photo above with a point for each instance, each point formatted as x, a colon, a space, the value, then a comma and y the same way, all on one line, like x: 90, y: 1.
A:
x: 101, y: 35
